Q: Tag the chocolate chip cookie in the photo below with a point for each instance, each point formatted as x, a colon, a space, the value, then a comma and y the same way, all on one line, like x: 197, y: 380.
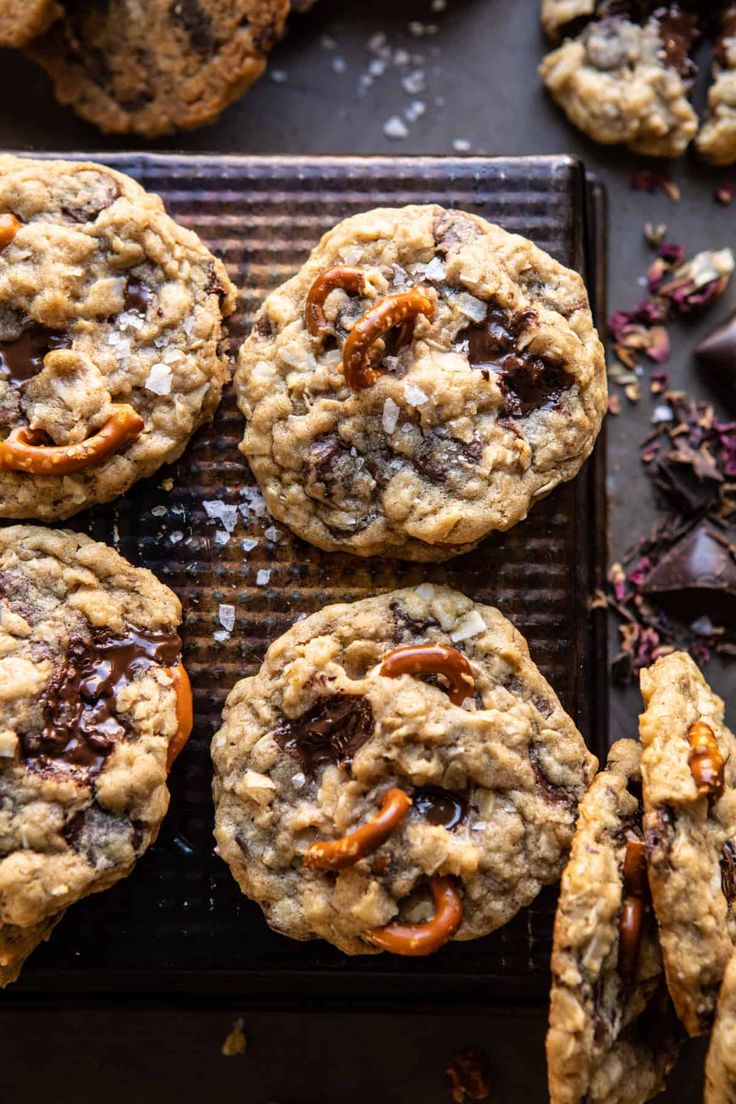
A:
x: 717, y: 138
x: 612, y: 1036
x: 22, y: 20
x: 620, y: 81
x: 423, y: 380
x: 398, y: 774
x: 720, y: 1066
x: 689, y: 781
x: 154, y: 66
x: 94, y: 707
x: 111, y: 331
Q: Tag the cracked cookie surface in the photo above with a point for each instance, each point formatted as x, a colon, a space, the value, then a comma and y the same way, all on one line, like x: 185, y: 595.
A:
x: 690, y: 836
x: 88, y: 712
x: 473, y: 416
x: 22, y: 20
x: 310, y: 746
x: 106, y: 305
x: 152, y: 66
x: 610, y: 1036
x: 624, y: 82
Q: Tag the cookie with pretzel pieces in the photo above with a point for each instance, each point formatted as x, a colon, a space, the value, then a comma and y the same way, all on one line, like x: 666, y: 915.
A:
x: 111, y: 330
x: 423, y: 380
x: 613, y: 1034
x: 689, y: 780
x: 397, y: 775
x: 94, y: 707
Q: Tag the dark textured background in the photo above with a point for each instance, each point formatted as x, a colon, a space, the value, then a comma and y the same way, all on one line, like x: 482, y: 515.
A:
x: 481, y: 65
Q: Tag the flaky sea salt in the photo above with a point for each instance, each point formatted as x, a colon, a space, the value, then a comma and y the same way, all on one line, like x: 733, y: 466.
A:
x: 415, y: 110
x: 473, y: 308
x: 221, y: 635
x: 425, y: 591
x: 226, y: 617
x: 272, y: 534
x: 158, y: 511
x: 395, y: 128
x: 222, y: 537
x: 159, y: 379
x: 254, y: 504
x: 339, y: 64
x: 263, y: 577
x: 278, y: 76
x: 390, y: 416
x: 414, y: 395
x: 176, y: 536
x: 248, y: 544
x: 436, y: 269
x: 460, y: 145
x: 298, y: 780
x: 472, y: 624
x: 415, y: 82
x: 217, y: 510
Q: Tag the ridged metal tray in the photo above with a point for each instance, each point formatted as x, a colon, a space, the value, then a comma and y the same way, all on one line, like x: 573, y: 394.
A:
x: 179, y: 924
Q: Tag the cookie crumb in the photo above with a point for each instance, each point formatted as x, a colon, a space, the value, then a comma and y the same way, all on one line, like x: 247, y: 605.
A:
x: 235, y: 1042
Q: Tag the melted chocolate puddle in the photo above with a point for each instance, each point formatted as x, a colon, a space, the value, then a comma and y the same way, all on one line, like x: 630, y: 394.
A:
x: 332, y: 731
x: 81, y: 726
x: 22, y: 359
x: 528, y: 382
x: 442, y: 808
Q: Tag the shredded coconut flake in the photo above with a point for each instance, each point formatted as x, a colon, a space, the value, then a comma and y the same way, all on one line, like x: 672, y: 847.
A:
x: 414, y: 395
x: 226, y: 617
x: 159, y: 379
x: 390, y: 416
x: 472, y: 624
x: 425, y: 591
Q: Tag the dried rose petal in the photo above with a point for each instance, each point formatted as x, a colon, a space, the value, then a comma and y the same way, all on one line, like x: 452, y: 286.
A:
x: 470, y: 1076
x: 659, y: 382
x: 647, y: 181
x: 655, y: 234
x: 724, y: 194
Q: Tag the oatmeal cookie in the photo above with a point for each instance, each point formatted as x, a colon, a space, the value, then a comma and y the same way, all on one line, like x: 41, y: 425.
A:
x: 423, y: 380
x: 348, y: 787
x: 110, y: 336
x: 689, y: 781
x: 152, y: 66
x: 22, y: 20
x: 94, y: 704
x: 720, y: 1066
x: 610, y: 1038
x: 717, y: 138
x: 622, y: 82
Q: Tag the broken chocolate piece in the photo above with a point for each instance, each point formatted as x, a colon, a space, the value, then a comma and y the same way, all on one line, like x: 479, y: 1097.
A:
x: 439, y: 807
x: 22, y: 359
x: 717, y: 354
x: 332, y: 731
x: 697, y: 577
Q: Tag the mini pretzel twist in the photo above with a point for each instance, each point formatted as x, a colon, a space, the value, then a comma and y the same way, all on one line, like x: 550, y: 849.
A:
x: 432, y: 659
x: 389, y: 312
x: 346, y: 851
x: 340, y: 276
x: 632, y: 911
x: 424, y: 939
x: 21, y: 450
x: 706, y: 762
x: 9, y: 227
x: 184, y: 711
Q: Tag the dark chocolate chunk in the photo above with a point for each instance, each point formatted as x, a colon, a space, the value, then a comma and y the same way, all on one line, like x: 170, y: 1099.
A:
x: 332, y: 731
x: 81, y: 726
x: 440, y: 807
x: 528, y: 381
x: 408, y: 628
x: 137, y: 296
x: 678, y: 31
x: 94, y: 830
x: 717, y: 354
x: 95, y: 193
x: 22, y: 359
x: 697, y: 577
x: 190, y: 15
x: 440, y: 455
x: 659, y: 835
x: 553, y: 794
x: 689, y: 476
x: 728, y: 870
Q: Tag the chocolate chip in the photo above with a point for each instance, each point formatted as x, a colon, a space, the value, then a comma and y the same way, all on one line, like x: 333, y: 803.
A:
x: 22, y: 358
x: 717, y: 354
x: 190, y: 15
x: 332, y: 731
x: 94, y: 831
x: 137, y: 296
x: 440, y: 455
x: 542, y: 705
x: 552, y: 793
x: 728, y: 871
x: 440, y: 807
x: 406, y: 627
x: 95, y: 193
x: 81, y: 726
x: 529, y: 382
x: 451, y: 228
x: 697, y: 577
x: 262, y: 325
x: 659, y: 835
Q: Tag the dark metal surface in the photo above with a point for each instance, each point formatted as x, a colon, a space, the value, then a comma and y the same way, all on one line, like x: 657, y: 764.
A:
x: 179, y: 922
x: 481, y: 64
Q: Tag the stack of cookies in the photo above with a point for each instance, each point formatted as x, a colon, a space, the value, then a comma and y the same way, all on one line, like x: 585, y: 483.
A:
x: 645, y: 935
x: 148, y: 67
x: 399, y: 774
x: 624, y: 73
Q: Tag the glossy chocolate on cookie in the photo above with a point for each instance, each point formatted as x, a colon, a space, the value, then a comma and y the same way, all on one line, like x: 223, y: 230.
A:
x: 529, y: 382
x: 22, y: 358
x: 442, y: 808
x: 81, y: 724
x: 332, y: 731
